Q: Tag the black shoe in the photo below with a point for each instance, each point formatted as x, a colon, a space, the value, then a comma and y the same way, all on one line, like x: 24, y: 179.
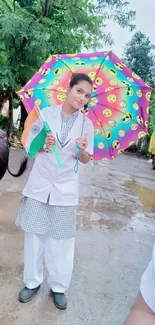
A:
x: 26, y: 294
x: 60, y: 300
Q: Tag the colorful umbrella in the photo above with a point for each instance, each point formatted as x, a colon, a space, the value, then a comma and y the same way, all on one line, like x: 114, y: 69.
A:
x: 118, y: 107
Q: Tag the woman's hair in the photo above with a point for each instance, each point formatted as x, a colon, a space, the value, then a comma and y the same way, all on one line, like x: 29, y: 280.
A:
x: 79, y: 77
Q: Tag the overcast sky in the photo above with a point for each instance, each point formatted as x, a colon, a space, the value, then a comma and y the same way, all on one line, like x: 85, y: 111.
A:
x: 145, y: 21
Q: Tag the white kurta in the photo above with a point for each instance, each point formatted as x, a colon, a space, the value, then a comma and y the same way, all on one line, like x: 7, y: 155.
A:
x: 56, y: 221
x: 46, y: 178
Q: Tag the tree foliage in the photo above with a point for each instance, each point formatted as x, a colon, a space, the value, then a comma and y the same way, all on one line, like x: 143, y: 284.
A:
x: 32, y: 29
x: 139, y: 55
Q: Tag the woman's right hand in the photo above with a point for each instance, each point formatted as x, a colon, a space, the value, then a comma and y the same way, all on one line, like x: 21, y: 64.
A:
x: 50, y: 141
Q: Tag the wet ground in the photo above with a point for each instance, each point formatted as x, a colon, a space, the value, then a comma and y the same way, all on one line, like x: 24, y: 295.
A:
x: 116, y: 231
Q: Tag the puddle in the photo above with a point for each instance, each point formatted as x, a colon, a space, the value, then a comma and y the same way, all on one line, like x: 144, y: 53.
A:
x: 86, y: 223
x: 92, y: 212
x: 145, y: 195
x: 109, y: 208
x: 100, y: 212
x: 141, y: 223
x: 106, y: 205
x: 117, y: 208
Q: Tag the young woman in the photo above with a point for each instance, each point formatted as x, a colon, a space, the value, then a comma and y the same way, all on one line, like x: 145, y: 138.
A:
x: 47, y: 211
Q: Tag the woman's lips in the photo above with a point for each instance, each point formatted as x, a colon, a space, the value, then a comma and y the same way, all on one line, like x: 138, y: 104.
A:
x: 78, y: 102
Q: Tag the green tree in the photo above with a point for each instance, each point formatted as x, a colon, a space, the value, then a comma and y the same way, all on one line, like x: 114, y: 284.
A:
x: 139, y: 55
x: 32, y: 29
x: 118, y: 11
x: 152, y: 113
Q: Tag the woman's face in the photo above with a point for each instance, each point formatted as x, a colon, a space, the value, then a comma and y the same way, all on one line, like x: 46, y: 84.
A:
x: 79, y: 94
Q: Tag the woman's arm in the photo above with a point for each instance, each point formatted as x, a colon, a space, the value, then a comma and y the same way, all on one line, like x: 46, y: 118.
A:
x: 84, y: 157
x: 42, y: 150
x: 49, y: 141
x: 140, y: 313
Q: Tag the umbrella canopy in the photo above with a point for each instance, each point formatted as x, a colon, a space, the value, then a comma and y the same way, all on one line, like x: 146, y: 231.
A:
x: 119, y: 103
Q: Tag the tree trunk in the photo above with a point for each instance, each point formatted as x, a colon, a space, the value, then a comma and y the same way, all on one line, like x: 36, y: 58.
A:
x: 10, y: 117
x: 44, y: 11
x: 23, y: 115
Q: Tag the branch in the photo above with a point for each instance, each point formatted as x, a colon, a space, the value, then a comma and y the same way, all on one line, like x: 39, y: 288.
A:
x: 7, y: 5
x: 62, y: 8
x: 41, y: 3
x: 14, y: 6
x: 10, y: 119
x: 44, y: 11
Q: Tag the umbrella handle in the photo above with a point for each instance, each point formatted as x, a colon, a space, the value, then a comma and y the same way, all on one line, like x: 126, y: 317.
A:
x: 57, y: 155
x: 78, y: 146
x: 48, y: 130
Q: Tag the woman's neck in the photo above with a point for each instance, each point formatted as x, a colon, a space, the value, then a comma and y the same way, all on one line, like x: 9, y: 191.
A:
x: 67, y: 109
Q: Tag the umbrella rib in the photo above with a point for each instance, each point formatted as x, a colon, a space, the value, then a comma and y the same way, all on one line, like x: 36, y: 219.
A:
x: 99, y: 121
x: 119, y: 110
x: 105, y: 92
x: 100, y: 66
x: 106, y: 106
x: 142, y: 116
x: 34, y: 89
x: 66, y: 65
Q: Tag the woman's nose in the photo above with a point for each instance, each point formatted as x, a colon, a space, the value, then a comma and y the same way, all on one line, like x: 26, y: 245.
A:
x: 82, y: 97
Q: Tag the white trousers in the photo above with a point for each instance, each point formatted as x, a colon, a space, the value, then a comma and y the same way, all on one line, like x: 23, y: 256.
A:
x: 59, y: 259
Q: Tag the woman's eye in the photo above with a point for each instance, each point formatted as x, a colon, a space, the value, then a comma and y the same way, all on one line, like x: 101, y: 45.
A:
x: 79, y: 91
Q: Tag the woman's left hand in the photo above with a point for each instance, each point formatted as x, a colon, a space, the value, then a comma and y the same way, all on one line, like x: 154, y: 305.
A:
x: 83, y: 142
